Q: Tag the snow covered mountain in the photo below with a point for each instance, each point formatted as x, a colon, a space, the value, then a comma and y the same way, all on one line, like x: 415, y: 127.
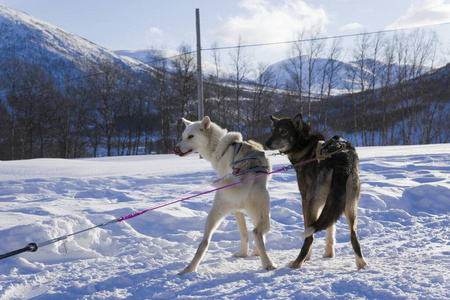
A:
x: 31, y: 40
x: 151, y: 56
x: 347, y: 75
x: 147, y: 55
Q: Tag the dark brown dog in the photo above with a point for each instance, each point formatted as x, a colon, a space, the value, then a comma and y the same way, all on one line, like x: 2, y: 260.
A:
x: 328, y: 188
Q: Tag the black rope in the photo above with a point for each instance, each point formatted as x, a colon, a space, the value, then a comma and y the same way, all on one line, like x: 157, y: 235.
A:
x: 33, y: 247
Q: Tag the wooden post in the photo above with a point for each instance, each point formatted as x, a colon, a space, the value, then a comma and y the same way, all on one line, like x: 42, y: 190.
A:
x: 199, y: 68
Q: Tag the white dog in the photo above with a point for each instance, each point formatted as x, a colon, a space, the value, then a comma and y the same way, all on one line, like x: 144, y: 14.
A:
x: 229, y: 154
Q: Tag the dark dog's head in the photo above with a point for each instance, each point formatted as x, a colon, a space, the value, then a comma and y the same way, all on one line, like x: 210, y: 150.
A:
x: 287, y: 133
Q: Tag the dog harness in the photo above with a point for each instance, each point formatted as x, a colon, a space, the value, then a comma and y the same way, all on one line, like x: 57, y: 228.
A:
x: 326, y: 149
x: 252, y: 156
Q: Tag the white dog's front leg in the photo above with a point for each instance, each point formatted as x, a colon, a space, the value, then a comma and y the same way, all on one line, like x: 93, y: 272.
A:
x: 215, y: 216
x: 192, y: 267
x: 240, y: 219
x: 267, y: 263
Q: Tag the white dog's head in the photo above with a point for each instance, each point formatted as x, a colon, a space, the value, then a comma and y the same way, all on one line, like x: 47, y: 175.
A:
x: 194, y: 137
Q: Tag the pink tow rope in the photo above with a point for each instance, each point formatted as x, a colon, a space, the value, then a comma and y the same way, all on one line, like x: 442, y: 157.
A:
x: 33, y: 247
x: 285, y: 168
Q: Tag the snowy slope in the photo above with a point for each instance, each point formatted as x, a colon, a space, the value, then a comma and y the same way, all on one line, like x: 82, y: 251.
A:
x: 403, y: 226
x: 29, y: 39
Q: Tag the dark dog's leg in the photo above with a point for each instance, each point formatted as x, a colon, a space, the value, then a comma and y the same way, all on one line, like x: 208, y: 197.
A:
x: 306, y: 223
x: 308, y: 218
x: 306, y: 248
x: 351, y: 213
x: 360, y: 262
x: 352, y: 220
x: 329, y: 248
x: 318, y: 198
x: 310, y: 214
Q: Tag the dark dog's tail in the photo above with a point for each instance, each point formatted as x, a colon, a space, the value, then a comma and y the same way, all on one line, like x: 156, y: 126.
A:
x: 334, y: 205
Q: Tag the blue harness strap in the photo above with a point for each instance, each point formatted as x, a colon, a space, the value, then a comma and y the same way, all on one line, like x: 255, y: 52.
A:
x: 253, y: 155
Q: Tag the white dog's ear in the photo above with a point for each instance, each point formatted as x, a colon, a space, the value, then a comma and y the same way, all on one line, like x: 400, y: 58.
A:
x: 298, y: 121
x: 206, y: 124
x: 186, y: 122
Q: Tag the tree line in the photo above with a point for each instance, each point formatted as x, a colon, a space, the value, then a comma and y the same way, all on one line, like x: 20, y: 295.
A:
x: 391, y: 98
x: 393, y: 94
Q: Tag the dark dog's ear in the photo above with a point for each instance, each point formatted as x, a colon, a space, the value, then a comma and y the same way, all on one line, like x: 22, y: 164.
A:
x: 273, y: 118
x: 298, y: 121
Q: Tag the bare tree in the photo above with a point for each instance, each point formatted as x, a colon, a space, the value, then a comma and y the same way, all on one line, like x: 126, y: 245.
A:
x: 387, y: 78
x: 413, y: 51
x: 294, y: 67
x: 160, y: 81
x: 185, y: 84
x: 216, y: 91
x: 261, y: 104
x: 240, y: 65
x: 361, y: 55
x: 423, y: 54
x: 330, y: 80
x: 143, y: 102
x: 65, y: 129
x: 35, y: 108
x: 352, y: 87
x: 375, y: 68
x: 13, y: 81
x: 431, y: 96
x: 131, y: 117
x: 314, y: 50
x: 105, y: 90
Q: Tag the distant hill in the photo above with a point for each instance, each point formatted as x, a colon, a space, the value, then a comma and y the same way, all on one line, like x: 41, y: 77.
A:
x: 31, y: 40
x: 148, y: 56
x: 345, y: 71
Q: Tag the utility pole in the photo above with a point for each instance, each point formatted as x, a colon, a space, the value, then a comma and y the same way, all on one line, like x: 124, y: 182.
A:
x: 201, y: 111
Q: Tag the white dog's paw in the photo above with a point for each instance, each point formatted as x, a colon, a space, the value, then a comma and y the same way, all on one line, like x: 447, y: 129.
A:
x: 360, y: 263
x: 308, y: 257
x: 241, y: 254
x: 329, y: 253
x: 188, y: 269
x: 295, y: 265
x: 270, y: 266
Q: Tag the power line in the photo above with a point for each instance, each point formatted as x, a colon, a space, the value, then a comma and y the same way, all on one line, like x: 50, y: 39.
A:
x: 322, y: 38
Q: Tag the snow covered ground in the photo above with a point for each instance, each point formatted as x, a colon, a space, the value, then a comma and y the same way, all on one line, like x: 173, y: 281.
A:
x: 403, y: 227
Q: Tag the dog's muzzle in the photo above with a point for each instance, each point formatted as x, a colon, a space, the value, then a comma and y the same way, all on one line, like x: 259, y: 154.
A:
x: 177, y: 151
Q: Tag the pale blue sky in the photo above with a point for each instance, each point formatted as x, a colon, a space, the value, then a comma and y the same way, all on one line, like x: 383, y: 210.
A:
x: 143, y: 24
